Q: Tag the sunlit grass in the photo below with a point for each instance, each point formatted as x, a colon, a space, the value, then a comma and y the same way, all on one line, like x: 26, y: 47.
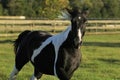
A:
x: 100, y: 59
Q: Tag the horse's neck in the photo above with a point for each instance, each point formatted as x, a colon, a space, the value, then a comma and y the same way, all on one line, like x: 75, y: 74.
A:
x: 65, y: 33
x: 58, y: 39
x: 68, y: 36
x: 73, y: 37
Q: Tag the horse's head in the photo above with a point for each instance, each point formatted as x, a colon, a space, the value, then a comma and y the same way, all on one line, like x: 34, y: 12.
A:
x: 78, y: 20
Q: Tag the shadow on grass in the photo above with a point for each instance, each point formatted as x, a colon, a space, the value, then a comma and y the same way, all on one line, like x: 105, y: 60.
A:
x: 6, y: 41
x: 88, y: 65
x: 102, y: 44
x: 111, y: 61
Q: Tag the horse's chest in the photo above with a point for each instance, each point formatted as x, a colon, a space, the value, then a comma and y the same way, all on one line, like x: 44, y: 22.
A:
x: 71, y: 62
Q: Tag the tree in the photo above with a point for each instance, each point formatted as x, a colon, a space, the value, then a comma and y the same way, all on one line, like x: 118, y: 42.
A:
x: 75, y: 3
x: 4, y: 3
x: 29, y: 10
x: 51, y: 8
x: 110, y: 9
x: 1, y: 10
x: 16, y: 7
x: 82, y: 4
x: 97, y: 5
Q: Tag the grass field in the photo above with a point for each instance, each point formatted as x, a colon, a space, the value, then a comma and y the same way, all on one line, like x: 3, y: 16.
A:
x: 100, y: 61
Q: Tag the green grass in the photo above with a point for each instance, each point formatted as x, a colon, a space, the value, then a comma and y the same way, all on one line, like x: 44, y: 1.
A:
x: 100, y: 59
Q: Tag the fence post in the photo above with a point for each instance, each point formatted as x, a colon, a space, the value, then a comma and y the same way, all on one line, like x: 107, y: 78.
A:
x: 105, y: 26
x: 115, y: 27
x: 6, y: 30
x: 12, y: 27
x: 96, y: 27
x: 54, y: 27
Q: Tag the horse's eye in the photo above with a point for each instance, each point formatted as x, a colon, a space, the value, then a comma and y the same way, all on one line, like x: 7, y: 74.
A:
x: 79, y: 17
x: 85, y: 20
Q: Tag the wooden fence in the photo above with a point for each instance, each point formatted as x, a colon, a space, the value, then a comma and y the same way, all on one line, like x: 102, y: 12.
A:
x: 93, y: 26
x: 104, y: 26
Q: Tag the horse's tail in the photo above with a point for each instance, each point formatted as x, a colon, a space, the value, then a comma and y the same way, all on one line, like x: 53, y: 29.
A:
x: 19, y: 40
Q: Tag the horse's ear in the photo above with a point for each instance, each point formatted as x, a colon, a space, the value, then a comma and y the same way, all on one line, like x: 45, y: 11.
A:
x: 70, y: 11
x: 85, y: 12
x: 73, y: 11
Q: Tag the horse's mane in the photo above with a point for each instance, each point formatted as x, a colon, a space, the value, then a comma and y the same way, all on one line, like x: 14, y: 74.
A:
x: 64, y: 15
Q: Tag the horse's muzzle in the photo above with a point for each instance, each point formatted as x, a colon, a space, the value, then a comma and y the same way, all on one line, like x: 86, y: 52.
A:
x: 80, y: 43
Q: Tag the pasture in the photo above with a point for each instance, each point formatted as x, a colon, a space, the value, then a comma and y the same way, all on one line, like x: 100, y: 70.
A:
x: 100, y: 59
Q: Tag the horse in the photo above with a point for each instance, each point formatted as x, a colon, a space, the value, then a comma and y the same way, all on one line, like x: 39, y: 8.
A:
x: 58, y: 55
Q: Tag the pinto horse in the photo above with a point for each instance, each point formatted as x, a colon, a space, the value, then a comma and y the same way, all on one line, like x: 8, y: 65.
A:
x: 57, y: 55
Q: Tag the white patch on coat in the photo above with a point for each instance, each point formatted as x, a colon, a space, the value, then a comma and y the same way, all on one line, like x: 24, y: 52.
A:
x: 34, y: 78
x: 57, y: 41
x: 13, y: 74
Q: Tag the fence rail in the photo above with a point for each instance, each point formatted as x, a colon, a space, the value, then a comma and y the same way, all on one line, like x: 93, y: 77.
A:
x: 94, y: 26
x: 56, y: 22
x: 52, y: 21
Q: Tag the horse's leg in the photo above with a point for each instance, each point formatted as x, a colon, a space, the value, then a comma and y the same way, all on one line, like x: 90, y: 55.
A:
x: 62, y: 75
x: 33, y: 78
x: 13, y: 74
x: 20, y: 60
x: 37, y: 75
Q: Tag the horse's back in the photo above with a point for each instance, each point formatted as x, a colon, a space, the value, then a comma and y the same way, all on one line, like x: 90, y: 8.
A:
x: 33, y: 40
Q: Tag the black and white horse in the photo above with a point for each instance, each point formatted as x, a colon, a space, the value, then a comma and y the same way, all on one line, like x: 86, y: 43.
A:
x: 57, y: 55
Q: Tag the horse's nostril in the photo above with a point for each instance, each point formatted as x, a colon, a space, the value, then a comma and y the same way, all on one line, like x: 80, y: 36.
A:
x: 80, y: 42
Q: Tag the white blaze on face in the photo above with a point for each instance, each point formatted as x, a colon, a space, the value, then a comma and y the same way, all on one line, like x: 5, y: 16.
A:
x: 79, y: 31
x: 78, y: 39
x: 79, y: 35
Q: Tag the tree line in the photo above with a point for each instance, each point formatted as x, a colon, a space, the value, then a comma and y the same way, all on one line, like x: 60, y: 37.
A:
x: 50, y: 9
